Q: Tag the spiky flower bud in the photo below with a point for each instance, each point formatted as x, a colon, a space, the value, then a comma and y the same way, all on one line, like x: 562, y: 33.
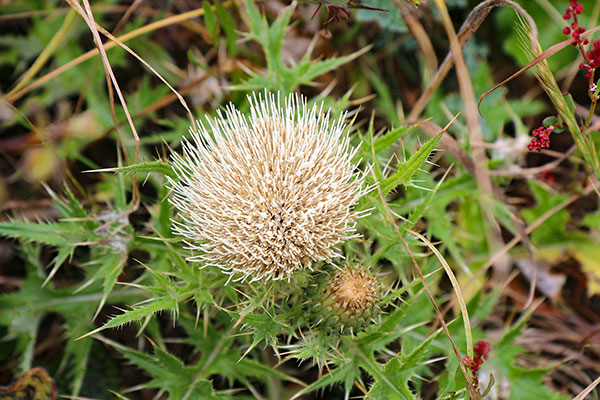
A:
x: 348, y: 299
x: 268, y: 194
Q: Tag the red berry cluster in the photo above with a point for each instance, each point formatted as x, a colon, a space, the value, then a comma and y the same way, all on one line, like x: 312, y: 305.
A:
x: 542, y: 139
x: 575, y: 9
x: 574, y: 30
x: 482, y: 352
x: 593, y: 59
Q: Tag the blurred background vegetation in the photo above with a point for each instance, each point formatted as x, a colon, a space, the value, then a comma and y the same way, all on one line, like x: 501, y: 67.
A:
x: 523, y: 238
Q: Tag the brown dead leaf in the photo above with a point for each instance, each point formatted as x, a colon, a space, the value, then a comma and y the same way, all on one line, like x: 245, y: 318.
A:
x: 34, y: 384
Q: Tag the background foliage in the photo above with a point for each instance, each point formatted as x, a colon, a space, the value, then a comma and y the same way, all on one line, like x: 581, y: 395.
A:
x: 96, y: 289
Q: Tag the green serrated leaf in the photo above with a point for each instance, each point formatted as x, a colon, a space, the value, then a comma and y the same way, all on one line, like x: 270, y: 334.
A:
x: 139, y: 313
x: 314, y: 68
x: 422, y: 208
x: 61, y: 257
x: 159, y: 167
x: 398, y: 372
x: 335, y: 376
x: 169, y: 373
x: 255, y: 369
x: 113, y: 266
x: 408, y: 168
x: 258, y: 24
x: 264, y: 328
x: 61, y: 234
x: 398, y: 377
x: 385, y: 141
x: 73, y: 209
x: 280, y: 77
x: 276, y: 33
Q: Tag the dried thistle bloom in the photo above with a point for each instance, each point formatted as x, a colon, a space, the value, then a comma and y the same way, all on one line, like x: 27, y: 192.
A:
x: 268, y: 194
x: 353, y: 290
x: 347, y: 299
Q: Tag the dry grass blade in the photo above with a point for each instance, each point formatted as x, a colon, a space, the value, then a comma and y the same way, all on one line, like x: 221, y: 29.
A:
x: 420, y: 34
x: 130, y: 10
x: 140, y: 59
x: 56, y: 11
x: 92, y: 25
x: 457, y: 290
x: 46, y: 53
x: 162, y: 102
x: 467, y: 30
x: 124, y: 18
x: 175, y: 19
x: 485, y: 188
x: 539, y: 58
x: 587, y: 390
x: 113, y: 8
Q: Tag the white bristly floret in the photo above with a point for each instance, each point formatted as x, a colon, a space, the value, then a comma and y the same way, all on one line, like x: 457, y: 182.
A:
x: 268, y: 194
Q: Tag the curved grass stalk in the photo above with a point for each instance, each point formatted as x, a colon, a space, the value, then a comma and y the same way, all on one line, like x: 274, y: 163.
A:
x: 175, y: 19
x: 45, y: 55
x: 457, y: 290
x: 470, y: 387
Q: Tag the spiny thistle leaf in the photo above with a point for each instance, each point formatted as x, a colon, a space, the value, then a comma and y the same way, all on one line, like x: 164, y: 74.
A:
x: 387, y: 140
x: 399, y: 376
x: 280, y: 77
x: 421, y: 209
x: 61, y: 234
x: 407, y: 169
x: 169, y: 373
x: 22, y: 312
x: 159, y: 167
x: 344, y: 373
x: 139, y: 313
x: 72, y: 209
x: 266, y: 328
x: 227, y: 22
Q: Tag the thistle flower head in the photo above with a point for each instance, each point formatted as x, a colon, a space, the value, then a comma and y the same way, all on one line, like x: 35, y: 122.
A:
x: 264, y: 195
x: 346, y: 299
x: 354, y: 290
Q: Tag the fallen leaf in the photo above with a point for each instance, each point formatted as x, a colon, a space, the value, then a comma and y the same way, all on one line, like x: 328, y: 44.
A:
x: 34, y: 384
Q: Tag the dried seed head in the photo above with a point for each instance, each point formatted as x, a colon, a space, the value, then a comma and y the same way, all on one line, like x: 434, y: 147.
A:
x: 347, y: 299
x: 266, y: 195
x: 354, y: 290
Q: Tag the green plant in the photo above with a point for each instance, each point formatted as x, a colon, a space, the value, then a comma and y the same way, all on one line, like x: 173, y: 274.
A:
x: 276, y: 252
